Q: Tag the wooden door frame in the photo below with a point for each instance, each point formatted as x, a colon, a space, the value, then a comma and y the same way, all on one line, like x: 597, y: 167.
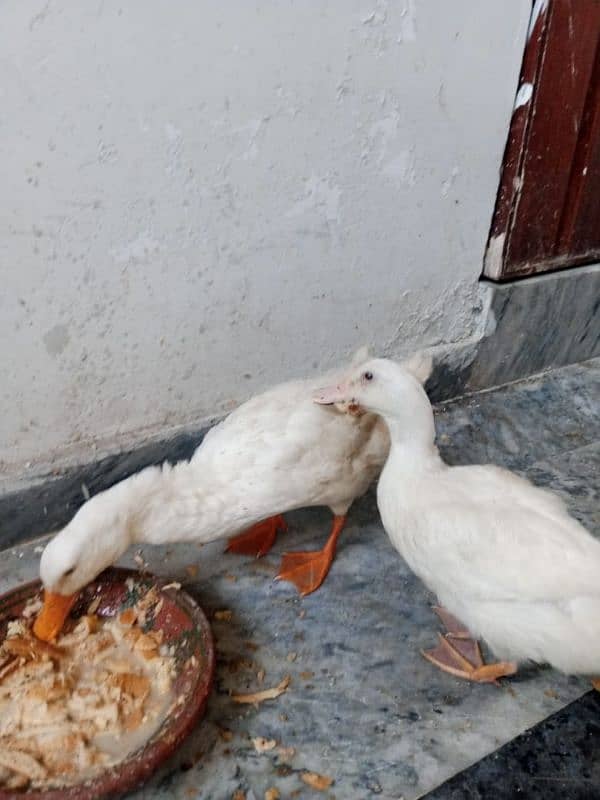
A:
x: 546, y: 155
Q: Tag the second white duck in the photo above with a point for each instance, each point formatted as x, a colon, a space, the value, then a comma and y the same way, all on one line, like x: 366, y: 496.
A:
x: 275, y: 453
x: 503, y: 556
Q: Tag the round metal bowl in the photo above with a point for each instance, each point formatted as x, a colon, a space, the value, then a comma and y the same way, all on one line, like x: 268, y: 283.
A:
x: 185, y: 626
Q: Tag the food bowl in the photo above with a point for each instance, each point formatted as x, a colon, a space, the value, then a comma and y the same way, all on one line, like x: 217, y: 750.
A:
x: 184, y: 626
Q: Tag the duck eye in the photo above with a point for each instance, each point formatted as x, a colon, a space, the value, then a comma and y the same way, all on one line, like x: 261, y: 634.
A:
x: 68, y: 572
x: 368, y: 376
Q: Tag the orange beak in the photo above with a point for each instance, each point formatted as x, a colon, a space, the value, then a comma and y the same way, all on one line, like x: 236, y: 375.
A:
x: 52, y: 617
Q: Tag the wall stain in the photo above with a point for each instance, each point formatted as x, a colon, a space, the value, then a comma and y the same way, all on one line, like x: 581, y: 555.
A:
x: 56, y: 339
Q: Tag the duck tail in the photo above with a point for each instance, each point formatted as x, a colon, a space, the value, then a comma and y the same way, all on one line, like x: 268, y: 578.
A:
x: 420, y: 365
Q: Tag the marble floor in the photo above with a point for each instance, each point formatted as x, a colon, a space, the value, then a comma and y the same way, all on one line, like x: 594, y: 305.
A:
x: 363, y: 707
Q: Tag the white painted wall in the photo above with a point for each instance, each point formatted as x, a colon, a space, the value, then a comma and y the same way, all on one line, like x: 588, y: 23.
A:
x: 200, y: 199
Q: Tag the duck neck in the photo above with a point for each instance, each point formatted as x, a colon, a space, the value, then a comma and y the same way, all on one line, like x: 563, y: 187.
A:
x: 412, y: 438
x: 168, y: 503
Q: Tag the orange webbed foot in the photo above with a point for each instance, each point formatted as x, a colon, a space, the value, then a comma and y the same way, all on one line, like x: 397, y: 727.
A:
x: 459, y: 654
x: 448, y: 657
x: 259, y: 539
x: 308, y: 569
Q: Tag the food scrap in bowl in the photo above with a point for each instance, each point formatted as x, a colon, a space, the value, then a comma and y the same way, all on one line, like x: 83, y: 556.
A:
x: 73, y: 708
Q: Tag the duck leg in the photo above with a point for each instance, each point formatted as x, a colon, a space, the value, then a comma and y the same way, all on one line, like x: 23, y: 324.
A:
x: 259, y: 539
x: 308, y: 569
x: 459, y: 654
x: 448, y: 658
x: 460, y: 636
x: 454, y: 627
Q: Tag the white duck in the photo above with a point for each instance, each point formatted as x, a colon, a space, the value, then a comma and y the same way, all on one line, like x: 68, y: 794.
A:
x: 275, y: 453
x: 502, y: 555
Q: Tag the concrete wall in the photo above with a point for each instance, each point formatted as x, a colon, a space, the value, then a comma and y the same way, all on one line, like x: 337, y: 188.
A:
x: 200, y: 199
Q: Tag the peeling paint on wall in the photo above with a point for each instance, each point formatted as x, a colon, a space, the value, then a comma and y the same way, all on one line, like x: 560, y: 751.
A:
x: 381, y: 134
x: 402, y: 167
x: 141, y: 248
x: 320, y: 195
x: 408, y: 23
x: 449, y: 182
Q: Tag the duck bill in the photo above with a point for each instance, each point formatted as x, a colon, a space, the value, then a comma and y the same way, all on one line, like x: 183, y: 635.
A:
x: 53, y: 615
x: 331, y: 395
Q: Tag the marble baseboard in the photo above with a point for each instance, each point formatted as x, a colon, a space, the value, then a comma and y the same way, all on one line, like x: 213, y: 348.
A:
x: 533, y: 325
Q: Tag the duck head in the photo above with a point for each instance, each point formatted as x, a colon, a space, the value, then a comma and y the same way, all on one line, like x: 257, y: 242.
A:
x: 392, y: 390
x: 96, y: 537
x: 369, y: 384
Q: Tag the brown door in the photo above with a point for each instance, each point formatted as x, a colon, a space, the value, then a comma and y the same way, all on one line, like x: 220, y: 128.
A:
x: 547, y: 214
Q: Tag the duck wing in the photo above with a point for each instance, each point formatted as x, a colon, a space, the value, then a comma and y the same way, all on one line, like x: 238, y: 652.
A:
x: 506, y: 552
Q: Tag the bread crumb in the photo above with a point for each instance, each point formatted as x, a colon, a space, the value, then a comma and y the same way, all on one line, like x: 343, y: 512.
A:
x: 254, y: 698
x: 262, y: 745
x: 317, y: 781
x: 128, y: 617
x: 32, y: 608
